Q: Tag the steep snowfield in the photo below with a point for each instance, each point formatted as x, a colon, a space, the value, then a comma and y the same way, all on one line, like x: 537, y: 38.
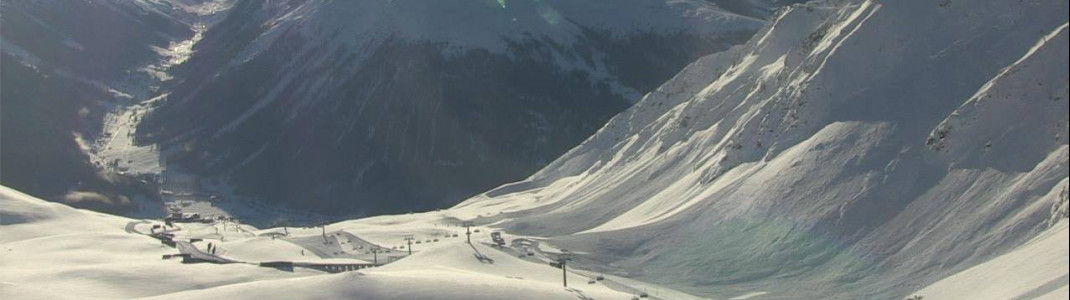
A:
x: 1037, y: 270
x: 852, y: 149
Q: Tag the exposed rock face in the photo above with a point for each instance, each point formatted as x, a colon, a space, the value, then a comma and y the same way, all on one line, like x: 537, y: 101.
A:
x: 1061, y: 207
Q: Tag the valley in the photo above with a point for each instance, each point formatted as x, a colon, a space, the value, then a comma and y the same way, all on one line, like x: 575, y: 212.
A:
x: 660, y: 149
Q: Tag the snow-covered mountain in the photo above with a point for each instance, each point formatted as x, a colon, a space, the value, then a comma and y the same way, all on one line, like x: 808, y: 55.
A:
x: 395, y: 106
x: 754, y: 8
x: 67, y: 64
x: 851, y: 150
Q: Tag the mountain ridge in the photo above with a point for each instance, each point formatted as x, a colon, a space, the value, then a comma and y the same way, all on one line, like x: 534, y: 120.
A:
x: 312, y: 94
x: 816, y: 148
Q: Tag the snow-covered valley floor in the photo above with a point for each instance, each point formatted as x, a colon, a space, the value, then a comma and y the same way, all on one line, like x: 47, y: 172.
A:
x: 117, y: 152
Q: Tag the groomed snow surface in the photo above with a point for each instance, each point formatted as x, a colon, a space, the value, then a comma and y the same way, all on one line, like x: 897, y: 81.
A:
x: 51, y: 251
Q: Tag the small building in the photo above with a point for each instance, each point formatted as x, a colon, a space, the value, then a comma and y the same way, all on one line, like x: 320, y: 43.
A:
x: 183, y: 218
